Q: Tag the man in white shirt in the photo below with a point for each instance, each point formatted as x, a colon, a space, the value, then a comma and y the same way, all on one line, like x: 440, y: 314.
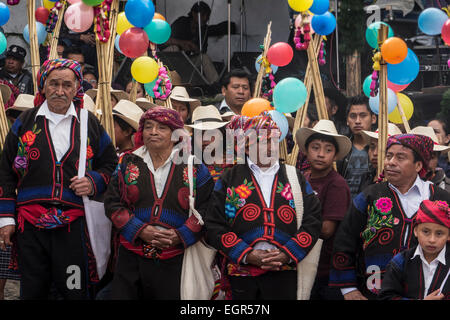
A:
x: 379, y: 223
x: 40, y: 161
x: 236, y: 90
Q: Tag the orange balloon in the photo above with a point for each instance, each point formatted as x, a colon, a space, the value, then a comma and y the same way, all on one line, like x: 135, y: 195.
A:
x: 394, y: 50
x: 255, y: 106
x: 159, y: 16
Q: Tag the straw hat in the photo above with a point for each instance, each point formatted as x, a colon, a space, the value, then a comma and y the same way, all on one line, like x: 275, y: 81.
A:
x: 118, y: 94
x: 175, y: 78
x: 6, y: 92
x: 89, y: 104
x: 23, y: 102
x: 325, y: 127
x: 429, y: 132
x: 180, y: 94
x: 144, y: 104
x: 392, y: 130
x: 207, y: 118
x: 129, y: 112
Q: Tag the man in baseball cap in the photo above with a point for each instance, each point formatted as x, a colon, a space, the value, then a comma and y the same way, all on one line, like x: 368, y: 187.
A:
x: 13, y: 71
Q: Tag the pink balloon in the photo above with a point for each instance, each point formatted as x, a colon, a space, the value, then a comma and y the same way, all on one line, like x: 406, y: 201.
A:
x: 280, y: 54
x: 298, y: 22
x: 73, y: 1
x: 79, y: 17
x: 448, y: 63
x: 397, y: 87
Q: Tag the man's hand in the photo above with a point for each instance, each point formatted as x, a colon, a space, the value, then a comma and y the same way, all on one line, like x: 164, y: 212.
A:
x: 267, y: 259
x: 5, y: 236
x: 81, y: 187
x: 161, y: 239
x: 354, y: 295
x: 435, y: 295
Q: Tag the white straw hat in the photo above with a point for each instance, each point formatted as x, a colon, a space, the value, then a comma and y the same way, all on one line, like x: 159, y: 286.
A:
x: 129, y: 112
x: 429, y: 132
x: 23, y: 102
x: 180, y: 94
x: 325, y: 127
x: 145, y: 104
x: 88, y: 103
x: 392, y: 130
x: 207, y: 118
x: 118, y: 94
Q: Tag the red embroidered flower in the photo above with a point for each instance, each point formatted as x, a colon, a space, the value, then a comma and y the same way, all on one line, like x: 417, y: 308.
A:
x: 243, y: 191
x: 384, y: 205
x: 28, y: 138
x: 287, y: 192
x: 89, y: 152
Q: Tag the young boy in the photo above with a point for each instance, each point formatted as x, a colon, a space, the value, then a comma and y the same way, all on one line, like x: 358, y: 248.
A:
x: 422, y: 272
x: 322, y: 146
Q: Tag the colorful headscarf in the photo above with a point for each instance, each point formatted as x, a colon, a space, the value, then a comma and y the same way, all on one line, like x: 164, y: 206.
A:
x: 434, y: 212
x: 263, y: 121
x: 422, y: 145
x: 50, y: 65
x: 166, y: 116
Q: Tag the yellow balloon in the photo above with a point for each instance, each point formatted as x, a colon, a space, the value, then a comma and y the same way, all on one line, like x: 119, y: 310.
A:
x: 122, y: 23
x: 407, y: 106
x: 144, y: 69
x: 48, y: 4
x: 300, y: 5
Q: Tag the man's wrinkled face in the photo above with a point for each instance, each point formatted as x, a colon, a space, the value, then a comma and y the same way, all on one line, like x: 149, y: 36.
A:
x: 60, y: 88
x: 13, y: 65
x: 157, y: 135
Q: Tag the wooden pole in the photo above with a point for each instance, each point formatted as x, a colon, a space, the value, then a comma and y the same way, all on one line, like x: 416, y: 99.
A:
x: 319, y: 95
x: 55, y: 34
x: 34, y: 45
x: 262, y: 69
x: 405, y: 121
x: 382, y: 112
x: 4, y: 127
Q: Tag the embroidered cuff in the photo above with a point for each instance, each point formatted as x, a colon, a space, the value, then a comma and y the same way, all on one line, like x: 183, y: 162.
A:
x: 342, y: 278
x: 187, y: 236
x: 98, y: 182
x: 131, y: 230
x: 7, y: 207
x: 295, y: 249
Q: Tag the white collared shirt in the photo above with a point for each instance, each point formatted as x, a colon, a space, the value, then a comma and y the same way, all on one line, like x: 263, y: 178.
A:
x: 429, y: 268
x: 59, y: 127
x: 224, y: 105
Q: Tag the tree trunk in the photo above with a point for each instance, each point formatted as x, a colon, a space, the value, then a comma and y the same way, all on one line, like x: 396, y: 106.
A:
x: 353, y: 74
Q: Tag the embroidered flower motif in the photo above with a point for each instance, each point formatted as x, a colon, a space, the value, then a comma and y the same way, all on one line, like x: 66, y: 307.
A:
x: 396, y: 221
x: 131, y: 174
x: 292, y: 204
x: 28, y: 138
x: 285, y: 191
x: 89, y: 152
x: 384, y: 205
x: 20, y: 162
x: 236, y: 197
x: 186, y: 176
x: 243, y: 191
x: 230, y: 211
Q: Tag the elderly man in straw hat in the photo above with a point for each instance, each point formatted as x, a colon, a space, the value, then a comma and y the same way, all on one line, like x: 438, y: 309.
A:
x: 147, y: 201
x: 126, y: 116
x: 379, y: 223
x: 322, y: 145
x: 209, y: 139
x: 435, y: 174
x: 40, y: 161
x: 252, y: 218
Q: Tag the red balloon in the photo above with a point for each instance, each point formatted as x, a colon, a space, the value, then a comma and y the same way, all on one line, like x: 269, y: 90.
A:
x: 133, y: 42
x: 397, y: 87
x: 280, y: 54
x: 42, y: 14
x: 446, y: 32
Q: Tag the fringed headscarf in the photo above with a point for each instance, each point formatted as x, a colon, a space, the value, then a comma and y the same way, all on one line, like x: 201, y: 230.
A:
x: 263, y: 121
x: 50, y: 65
x: 422, y: 145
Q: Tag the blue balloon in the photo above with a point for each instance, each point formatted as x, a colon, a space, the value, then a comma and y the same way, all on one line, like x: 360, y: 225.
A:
x: 272, y: 66
x: 374, y: 102
x: 289, y: 95
x: 4, y: 13
x: 431, y: 21
x: 3, y: 43
x: 320, y: 6
x: 40, y: 30
x: 116, y: 43
x: 366, y: 85
x: 149, y: 88
x: 139, y: 12
x: 404, y: 72
x: 281, y: 121
x: 158, y: 31
x: 323, y: 24
x: 372, y: 33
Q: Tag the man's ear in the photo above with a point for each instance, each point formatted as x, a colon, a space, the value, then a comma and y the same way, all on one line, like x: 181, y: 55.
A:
x: 374, y: 119
x: 224, y: 90
x: 419, y: 166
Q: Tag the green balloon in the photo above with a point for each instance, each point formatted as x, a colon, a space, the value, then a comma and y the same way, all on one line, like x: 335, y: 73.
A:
x: 92, y: 3
x: 366, y: 85
x: 372, y: 33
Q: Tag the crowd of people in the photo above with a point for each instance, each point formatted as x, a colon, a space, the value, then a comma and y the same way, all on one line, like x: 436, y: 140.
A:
x: 383, y: 236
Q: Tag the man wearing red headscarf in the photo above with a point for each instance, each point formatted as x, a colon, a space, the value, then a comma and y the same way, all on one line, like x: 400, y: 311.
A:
x: 379, y: 223
x: 40, y: 160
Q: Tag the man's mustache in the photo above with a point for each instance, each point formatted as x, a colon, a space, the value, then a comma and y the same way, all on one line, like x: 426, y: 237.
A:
x: 59, y: 97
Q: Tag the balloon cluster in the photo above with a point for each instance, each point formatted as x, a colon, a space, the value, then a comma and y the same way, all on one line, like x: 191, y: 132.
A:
x: 402, y: 69
x: 4, y: 17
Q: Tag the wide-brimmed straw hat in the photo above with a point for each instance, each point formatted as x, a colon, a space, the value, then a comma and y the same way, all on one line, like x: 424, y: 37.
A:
x: 392, y: 130
x: 180, y: 94
x: 429, y: 132
x: 207, y: 118
x: 145, y: 104
x: 129, y: 112
x: 5, y: 92
x: 23, y: 102
x: 88, y: 103
x: 118, y: 94
x: 325, y: 127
